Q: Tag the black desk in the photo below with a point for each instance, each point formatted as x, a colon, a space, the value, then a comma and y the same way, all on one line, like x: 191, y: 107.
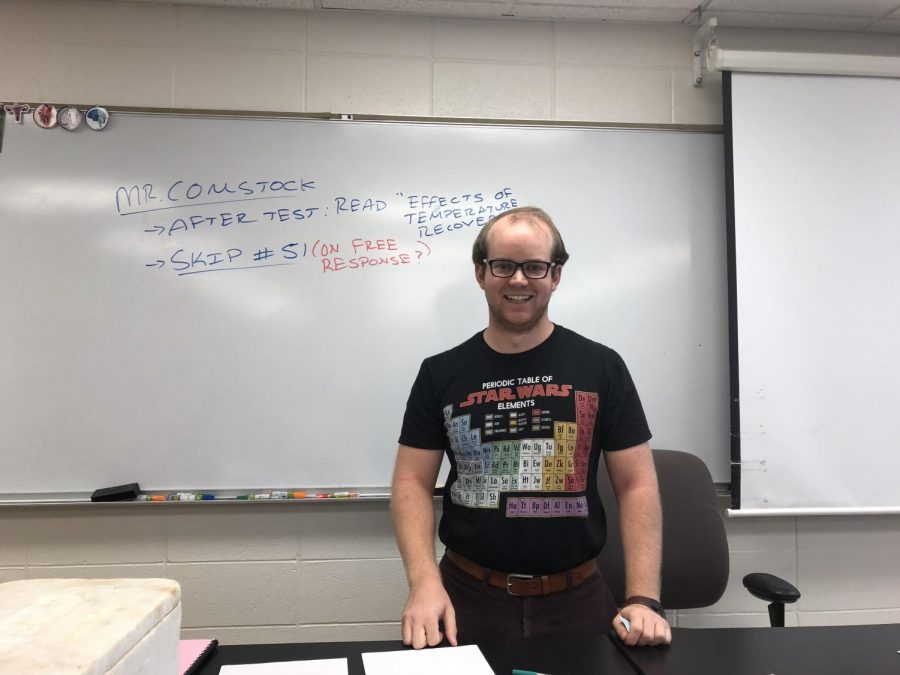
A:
x: 576, y: 655
x: 826, y: 650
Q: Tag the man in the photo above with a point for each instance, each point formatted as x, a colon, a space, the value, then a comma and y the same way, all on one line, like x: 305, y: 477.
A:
x: 523, y: 410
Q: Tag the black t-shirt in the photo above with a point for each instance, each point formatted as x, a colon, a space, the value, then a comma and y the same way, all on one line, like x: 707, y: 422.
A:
x: 524, y: 433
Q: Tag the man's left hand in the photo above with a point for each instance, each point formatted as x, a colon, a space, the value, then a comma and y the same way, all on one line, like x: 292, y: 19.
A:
x: 647, y: 627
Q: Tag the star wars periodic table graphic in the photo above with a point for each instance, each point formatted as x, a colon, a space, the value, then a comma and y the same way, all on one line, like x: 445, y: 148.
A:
x: 524, y: 450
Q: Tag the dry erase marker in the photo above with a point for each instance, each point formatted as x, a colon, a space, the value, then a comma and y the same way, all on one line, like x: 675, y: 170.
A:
x: 151, y: 498
x: 261, y: 495
x: 345, y: 495
x: 626, y: 623
x: 285, y: 494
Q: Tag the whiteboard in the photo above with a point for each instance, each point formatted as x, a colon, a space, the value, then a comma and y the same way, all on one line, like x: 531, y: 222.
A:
x: 151, y: 333
x: 815, y: 202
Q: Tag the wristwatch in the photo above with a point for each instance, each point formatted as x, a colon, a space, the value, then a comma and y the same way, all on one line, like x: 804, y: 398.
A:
x: 646, y: 602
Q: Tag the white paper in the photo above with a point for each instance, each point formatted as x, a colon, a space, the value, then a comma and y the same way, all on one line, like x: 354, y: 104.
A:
x: 441, y: 661
x: 314, y: 667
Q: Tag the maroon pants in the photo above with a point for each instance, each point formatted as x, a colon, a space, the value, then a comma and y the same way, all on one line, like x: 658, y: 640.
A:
x: 487, y: 612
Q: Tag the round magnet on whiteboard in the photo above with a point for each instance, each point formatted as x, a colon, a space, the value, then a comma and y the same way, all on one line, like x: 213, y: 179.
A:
x: 45, y: 116
x: 97, y: 118
x: 69, y: 118
x: 17, y: 110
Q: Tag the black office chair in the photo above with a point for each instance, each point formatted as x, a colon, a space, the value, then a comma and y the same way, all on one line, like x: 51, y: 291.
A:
x: 774, y: 590
x: 695, y: 546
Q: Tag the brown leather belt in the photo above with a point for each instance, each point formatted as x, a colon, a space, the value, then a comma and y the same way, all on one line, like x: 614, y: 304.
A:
x: 526, y: 584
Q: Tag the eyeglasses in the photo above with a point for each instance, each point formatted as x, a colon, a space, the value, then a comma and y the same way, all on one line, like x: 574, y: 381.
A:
x: 532, y: 269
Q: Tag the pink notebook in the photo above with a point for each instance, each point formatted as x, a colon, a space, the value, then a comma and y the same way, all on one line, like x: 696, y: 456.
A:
x: 192, y: 654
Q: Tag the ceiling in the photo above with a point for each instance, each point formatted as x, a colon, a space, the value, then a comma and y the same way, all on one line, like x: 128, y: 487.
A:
x: 875, y: 16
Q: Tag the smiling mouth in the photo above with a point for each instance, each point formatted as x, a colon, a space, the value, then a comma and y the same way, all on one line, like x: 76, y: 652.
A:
x: 518, y: 299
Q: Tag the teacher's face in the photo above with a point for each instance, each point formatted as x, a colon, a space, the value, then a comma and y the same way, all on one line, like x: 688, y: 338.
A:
x: 518, y: 304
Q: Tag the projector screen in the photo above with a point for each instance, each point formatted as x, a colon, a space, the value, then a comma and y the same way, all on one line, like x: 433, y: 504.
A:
x: 814, y: 293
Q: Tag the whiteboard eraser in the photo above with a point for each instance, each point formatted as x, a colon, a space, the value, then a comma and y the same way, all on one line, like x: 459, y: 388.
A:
x: 119, y: 493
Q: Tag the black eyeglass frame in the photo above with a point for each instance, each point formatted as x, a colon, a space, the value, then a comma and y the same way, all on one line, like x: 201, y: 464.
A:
x: 519, y: 266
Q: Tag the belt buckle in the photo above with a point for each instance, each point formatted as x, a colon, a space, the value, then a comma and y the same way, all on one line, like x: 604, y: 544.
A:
x: 523, y: 577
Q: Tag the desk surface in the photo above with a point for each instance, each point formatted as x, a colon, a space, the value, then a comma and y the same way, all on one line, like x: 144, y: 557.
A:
x: 822, y: 650
x: 560, y: 655
x: 826, y: 650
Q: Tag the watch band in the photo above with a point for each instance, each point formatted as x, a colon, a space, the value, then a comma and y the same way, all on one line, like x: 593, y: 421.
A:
x: 646, y: 602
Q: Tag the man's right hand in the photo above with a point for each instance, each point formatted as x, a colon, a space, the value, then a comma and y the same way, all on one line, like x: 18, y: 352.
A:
x: 427, y: 605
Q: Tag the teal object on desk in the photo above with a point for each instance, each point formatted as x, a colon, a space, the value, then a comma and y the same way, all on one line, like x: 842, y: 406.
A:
x: 516, y: 671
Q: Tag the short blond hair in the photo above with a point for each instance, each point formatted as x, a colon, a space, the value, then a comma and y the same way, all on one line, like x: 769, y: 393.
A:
x: 558, y: 254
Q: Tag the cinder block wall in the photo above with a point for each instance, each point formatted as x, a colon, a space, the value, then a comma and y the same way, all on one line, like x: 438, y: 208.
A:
x: 304, y: 572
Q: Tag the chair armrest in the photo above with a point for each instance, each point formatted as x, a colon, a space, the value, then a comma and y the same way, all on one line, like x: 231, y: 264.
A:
x: 770, y: 588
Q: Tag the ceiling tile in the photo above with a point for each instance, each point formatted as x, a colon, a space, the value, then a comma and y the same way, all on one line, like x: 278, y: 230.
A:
x: 533, y: 10
x: 459, y: 8
x: 249, y: 4
x: 605, y: 4
x: 871, y: 16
